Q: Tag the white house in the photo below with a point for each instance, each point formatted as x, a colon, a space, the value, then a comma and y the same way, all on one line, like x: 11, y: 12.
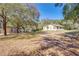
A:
x: 52, y: 27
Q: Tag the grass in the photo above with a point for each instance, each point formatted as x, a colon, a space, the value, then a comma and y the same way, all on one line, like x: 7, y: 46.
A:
x: 33, y: 44
x: 18, y: 36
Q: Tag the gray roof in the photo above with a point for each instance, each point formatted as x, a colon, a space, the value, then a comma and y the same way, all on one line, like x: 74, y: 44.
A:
x: 56, y: 25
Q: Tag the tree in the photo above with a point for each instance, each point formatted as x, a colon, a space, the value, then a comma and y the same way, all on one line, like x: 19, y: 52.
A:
x: 4, y: 8
x: 33, y: 16
x: 19, y: 15
x: 70, y: 12
x: 7, y: 10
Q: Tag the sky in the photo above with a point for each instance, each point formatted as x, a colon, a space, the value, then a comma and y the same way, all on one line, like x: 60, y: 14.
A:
x: 49, y: 11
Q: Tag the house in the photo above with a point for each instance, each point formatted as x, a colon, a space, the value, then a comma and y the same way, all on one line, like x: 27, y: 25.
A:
x: 52, y: 27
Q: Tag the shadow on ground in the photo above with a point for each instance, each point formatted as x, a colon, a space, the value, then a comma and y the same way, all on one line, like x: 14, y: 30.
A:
x: 52, y: 47
x: 47, y: 46
x: 61, y: 46
x: 72, y: 35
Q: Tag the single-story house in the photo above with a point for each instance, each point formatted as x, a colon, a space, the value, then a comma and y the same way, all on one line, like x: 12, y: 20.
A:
x: 52, y: 27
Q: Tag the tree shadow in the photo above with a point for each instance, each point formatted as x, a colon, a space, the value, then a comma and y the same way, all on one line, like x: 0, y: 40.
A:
x: 48, y: 42
x: 51, y: 43
x: 9, y: 36
x: 72, y: 35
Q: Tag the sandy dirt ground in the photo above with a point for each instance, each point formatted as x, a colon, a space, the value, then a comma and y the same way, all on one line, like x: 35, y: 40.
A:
x: 53, y: 43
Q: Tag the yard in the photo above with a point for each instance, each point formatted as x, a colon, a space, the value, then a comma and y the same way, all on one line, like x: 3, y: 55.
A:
x: 52, y: 43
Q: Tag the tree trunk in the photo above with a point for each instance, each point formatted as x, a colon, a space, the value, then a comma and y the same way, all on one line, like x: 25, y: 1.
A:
x: 17, y: 29
x: 4, y: 22
x: 4, y: 26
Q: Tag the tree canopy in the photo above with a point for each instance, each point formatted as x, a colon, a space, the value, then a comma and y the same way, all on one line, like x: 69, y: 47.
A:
x: 71, y: 14
x: 18, y: 15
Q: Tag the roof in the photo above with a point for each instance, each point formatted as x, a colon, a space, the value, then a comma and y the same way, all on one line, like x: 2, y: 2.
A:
x: 58, y: 25
x: 55, y: 25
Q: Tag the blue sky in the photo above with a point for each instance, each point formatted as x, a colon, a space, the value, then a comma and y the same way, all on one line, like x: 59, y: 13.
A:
x: 48, y: 10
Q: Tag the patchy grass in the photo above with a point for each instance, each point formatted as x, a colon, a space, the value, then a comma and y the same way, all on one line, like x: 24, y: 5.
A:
x: 53, y: 43
x: 18, y: 36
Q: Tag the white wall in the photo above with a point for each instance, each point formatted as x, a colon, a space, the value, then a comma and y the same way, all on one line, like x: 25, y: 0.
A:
x: 50, y: 27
